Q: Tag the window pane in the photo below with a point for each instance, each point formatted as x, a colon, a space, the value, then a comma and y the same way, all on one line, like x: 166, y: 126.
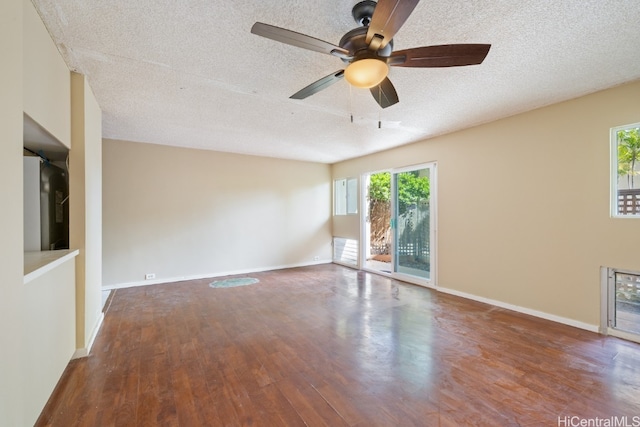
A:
x: 412, y: 235
x: 340, y: 197
x: 345, y: 251
x: 627, y: 305
x: 352, y: 196
x: 626, y: 170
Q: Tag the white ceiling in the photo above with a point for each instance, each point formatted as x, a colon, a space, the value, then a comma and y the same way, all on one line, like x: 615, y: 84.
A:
x: 189, y: 73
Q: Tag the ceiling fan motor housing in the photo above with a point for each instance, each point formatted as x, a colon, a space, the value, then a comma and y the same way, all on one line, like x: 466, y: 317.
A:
x: 355, y: 42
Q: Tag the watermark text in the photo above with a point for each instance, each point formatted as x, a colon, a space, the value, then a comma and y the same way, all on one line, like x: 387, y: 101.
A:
x: 613, y: 421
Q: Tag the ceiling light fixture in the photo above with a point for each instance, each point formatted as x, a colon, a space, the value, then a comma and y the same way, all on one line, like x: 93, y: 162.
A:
x: 366, y: 73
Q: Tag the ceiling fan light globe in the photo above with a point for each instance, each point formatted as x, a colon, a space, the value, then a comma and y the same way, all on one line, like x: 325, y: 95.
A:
x: 366, y: 73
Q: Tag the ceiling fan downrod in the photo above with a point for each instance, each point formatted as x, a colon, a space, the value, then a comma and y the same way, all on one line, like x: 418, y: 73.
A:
x: 363, y: 11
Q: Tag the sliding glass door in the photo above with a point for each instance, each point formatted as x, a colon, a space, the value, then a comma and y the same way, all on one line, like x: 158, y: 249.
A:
x: 412, y: 222
x: 399, y: 224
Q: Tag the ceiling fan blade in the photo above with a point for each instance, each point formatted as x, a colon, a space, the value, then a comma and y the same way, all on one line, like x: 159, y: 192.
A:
x: 388, y: 17
x: 300, y: 40
x: 448, y: 55
x: 319, y: 85
x: 385, y: 94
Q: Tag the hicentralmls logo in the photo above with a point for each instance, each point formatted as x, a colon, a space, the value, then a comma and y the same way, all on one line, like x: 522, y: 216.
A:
x: 614, y: 421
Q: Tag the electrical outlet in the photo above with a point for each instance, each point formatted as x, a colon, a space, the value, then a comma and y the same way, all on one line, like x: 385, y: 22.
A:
x: 149, y: 276
x: 316, y: 258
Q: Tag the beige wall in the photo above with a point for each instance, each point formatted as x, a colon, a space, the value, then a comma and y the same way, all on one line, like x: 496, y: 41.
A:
x: 523, y: 204
x: 37, y: 319
x: 181, y: 213
x: 48, y: 326
x: 85, y: 208
x: 11, y: 253
x: 347, y: 226
x: 46, y: 78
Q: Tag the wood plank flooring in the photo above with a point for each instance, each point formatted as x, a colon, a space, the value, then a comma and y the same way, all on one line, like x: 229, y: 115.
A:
x: 328, y: 346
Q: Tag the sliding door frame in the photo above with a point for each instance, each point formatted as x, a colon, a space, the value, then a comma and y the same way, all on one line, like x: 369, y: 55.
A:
x: 433, y: 222
x: 608, y: 311
x: 431, y: 282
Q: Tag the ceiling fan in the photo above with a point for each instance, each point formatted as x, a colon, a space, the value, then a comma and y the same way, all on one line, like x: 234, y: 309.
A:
x: 368, y: 50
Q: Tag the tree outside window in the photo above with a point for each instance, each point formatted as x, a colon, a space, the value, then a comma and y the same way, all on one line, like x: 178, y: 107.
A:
x: 627, y: 168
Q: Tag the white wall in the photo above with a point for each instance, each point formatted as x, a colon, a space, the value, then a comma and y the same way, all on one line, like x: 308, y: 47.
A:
x: 523, y: 205
x: 181, y: 213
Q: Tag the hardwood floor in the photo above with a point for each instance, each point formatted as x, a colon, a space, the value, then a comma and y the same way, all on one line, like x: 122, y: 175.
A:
x: 328, y: 346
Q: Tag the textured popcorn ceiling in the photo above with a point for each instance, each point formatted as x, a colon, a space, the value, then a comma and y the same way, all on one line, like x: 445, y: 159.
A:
x: 189, y: 73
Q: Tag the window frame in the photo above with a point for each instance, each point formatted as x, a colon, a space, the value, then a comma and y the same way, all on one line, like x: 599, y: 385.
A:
x: 613, y: 155
x: 350, y: 201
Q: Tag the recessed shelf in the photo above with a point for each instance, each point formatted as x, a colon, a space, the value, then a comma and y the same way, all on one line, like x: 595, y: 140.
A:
x: 36, y: 138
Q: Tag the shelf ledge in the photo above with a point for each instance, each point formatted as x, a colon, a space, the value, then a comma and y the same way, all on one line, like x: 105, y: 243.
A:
x: 37, y: 263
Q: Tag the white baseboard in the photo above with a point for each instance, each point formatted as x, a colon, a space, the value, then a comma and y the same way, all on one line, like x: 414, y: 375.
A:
x: 519, y: 309
x: 160, y: 281
x: 524, y: 310
x: 84, y: 352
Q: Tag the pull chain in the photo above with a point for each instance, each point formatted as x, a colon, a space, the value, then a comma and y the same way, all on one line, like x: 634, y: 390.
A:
x: 350, y: 103
x: 379, y: 102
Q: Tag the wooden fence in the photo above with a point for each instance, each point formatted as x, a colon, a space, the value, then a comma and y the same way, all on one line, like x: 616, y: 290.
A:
x: 629, y: 202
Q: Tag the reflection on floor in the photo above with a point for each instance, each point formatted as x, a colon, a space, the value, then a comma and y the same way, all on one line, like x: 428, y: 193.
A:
x: 386, y: 267
x: 383, y: 267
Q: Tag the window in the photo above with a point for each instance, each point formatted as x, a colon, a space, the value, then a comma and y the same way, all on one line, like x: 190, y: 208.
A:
x: 345, y: 193
x: 345, y: 251
x: 622, y: 309
x: 625, y: 171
